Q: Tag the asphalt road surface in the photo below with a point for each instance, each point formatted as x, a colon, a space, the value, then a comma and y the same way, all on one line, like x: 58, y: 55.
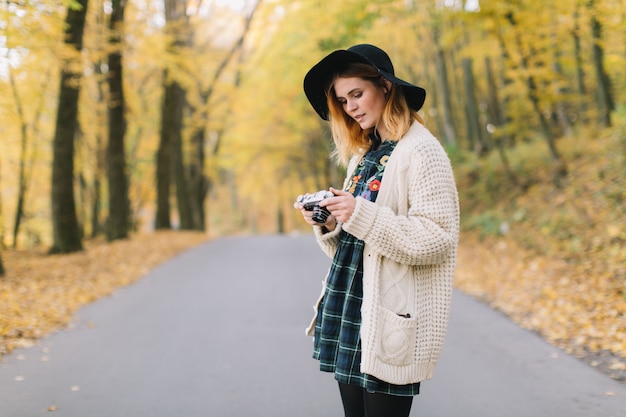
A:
x: 219, y: 332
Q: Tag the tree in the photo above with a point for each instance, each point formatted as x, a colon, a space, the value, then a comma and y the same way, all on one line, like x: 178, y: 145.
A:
x: 171, y: 120
x: 578, y: 58
x: 23, y: 176
x: 443, y: 84
x: 496, y: 118
x: 533, y: 87
x: 100, y: 155
x: 473, y: 127
x: 198, y: 181
x: 187, y: 101
x: 66, y: 231
x: 605, y: 97
x: 526, y: 75
x: 118, y: 221
x: 28, y: 104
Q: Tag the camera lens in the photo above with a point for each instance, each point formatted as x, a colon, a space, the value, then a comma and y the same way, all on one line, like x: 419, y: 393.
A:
x: 320, y: 214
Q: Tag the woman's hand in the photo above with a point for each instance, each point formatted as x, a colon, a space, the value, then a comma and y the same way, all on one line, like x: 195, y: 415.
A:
x: 330, y: 224
x: 341, y: 206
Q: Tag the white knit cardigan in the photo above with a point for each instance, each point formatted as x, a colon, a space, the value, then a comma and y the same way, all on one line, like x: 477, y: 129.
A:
x: 411, y: 235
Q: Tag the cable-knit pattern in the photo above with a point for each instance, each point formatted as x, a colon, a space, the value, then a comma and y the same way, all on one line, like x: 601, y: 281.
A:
x: 410, y: 234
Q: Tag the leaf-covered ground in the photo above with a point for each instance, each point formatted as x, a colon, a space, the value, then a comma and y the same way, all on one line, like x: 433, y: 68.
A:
x: 578, y: 308
x: 552, y: 254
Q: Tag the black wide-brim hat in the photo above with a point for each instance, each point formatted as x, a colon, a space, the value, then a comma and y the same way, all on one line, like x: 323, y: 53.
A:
x: 317, y: 80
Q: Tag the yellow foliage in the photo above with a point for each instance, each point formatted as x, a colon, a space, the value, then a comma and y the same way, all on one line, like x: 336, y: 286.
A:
x: 560, y: 266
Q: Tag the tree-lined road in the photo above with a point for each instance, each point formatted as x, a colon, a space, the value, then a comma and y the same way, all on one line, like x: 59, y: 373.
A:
x: 219, y: 331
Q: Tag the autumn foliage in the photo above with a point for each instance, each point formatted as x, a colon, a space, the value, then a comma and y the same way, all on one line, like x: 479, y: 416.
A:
x: 553, y: 258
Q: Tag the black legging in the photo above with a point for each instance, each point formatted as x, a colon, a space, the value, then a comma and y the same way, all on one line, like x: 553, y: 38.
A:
x: 357, y: 402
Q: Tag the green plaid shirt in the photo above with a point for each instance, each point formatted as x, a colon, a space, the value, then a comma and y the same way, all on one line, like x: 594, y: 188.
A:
x: 337, y: 344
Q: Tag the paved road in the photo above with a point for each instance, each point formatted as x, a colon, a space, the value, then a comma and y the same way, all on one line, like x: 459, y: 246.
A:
x: 219, y: 332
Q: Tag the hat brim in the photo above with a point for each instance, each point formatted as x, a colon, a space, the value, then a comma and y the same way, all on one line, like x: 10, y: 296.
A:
x: 317, y: 80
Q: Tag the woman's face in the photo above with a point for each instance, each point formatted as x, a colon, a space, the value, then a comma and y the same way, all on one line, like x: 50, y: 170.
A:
x: 362, y: 100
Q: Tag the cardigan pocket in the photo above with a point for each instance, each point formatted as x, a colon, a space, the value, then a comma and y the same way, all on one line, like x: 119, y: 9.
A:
x: 397, y: 338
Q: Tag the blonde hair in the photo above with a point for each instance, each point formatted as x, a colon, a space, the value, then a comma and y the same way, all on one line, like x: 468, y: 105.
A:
x: 348, y: 136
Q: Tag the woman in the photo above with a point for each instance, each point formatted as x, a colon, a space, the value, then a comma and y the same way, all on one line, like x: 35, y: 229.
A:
x: 392, y: 233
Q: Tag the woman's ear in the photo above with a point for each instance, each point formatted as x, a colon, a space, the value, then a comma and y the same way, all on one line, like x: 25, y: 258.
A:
x: 386, y: 85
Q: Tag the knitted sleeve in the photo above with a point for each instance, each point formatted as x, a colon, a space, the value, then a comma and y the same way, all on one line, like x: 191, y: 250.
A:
x: 429, y: 230
x: 328, y: 242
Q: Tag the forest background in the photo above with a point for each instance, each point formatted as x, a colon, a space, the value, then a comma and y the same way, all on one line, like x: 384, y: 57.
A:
x: 186, y: 120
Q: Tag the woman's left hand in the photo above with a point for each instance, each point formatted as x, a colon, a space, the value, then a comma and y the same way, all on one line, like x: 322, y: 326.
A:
x: 341, y: 206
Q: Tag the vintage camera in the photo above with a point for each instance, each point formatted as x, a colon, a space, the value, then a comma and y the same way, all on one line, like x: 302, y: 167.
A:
x: 311, y: 202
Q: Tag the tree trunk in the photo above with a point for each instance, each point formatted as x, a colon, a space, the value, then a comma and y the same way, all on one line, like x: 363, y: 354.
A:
x: 119, y: 206
x: 169, y: 154
x: 25, y: 172
x: 499, y: 109
x: 66, y: 231
x: 449, y: 136
x: 1, y: 266
x: 560, y: 106
x: 497, y: 118
x: 474, y: 130
x: 280, y: 220
x: 183, y: 197
x: 22, y: 176
x: 605, y: 97
x: 198, y: 182
x: 495, y: 108
x: 169, y: 158
x: 96, y: 203
x: 163, y: 168
x: 580, y: 72
x: 97, y: 227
